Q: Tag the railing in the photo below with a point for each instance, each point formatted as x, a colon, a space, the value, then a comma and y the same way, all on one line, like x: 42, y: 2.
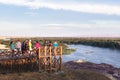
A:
x: 44, y: 59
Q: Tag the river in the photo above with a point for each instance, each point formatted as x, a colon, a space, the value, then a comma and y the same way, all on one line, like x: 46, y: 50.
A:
x: 94, y: 54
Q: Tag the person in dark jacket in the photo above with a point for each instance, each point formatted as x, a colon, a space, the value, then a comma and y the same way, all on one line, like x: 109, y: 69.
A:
x: 23, y: 47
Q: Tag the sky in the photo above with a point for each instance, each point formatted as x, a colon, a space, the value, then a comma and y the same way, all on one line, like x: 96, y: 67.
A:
x: 60, y: 18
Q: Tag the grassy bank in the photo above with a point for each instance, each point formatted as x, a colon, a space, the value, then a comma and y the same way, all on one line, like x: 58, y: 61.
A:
x: 66, y: 75
x: 68, y: 51
x: 113, y: 43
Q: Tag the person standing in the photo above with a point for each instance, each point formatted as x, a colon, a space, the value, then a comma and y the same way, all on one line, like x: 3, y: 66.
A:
x: 50, y: 44
x: 30, y: 45
x: 46, y: 43
x: 12, y: 47
x: 37, y: 45
x: 26, y: 45
x: 18, y: 45
x: 55, y: 44
x: 23, y: 47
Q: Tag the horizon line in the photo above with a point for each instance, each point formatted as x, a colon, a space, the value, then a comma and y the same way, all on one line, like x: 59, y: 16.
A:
x: 60, y: 36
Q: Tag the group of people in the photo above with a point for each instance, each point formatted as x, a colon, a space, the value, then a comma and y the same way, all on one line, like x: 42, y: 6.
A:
x: 27, y: 45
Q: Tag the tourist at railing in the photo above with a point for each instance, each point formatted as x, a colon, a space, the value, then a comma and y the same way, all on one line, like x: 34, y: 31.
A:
x: 18, y: 45
x: 26, y: 45
x: 50, y: 44
x: 30, y: 45
x: 46, y: 43
x: 37, y: 45
x: 12, y: 47
x: 23, y: 47
x: 55, y: 44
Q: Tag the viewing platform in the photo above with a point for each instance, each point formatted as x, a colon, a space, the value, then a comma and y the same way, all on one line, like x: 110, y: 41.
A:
x: 44, y: 59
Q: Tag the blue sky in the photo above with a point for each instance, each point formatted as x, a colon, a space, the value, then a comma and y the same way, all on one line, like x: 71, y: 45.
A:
x: 75, y: 18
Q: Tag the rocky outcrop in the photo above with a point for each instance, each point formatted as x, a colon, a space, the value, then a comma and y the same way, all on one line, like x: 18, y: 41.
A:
x: 106, y: 69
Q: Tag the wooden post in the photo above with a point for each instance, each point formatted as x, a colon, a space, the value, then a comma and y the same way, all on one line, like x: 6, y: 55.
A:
x: 45, y: 58
x: 11, y: 64
x: 50, y: 60
x: 60, y: 58
x: 55, y: 59
x: 39, y: 59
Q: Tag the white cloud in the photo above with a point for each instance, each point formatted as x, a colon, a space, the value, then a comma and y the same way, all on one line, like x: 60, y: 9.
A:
x: 104, y: 28
x: 12, y: 26
x: 107, y: 23
x: 79, y: 7
x: 31, y: 13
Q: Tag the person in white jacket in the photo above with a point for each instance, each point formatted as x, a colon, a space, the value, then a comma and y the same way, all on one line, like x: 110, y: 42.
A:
x: 18, y: 45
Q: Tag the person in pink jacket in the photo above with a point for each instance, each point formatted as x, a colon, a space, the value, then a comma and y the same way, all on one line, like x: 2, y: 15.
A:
x: 37, y: 45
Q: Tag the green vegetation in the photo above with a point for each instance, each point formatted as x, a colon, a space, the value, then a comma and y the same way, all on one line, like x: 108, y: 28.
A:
x: 113, y: 43
x: 66, y: 49
x: 66, y: 75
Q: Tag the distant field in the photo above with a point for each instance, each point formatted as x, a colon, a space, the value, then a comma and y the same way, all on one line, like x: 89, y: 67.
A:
x: 113, y: 43
x: 107, y: 42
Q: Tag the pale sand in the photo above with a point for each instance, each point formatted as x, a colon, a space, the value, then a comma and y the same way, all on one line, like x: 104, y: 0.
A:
x: 2, y: 46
